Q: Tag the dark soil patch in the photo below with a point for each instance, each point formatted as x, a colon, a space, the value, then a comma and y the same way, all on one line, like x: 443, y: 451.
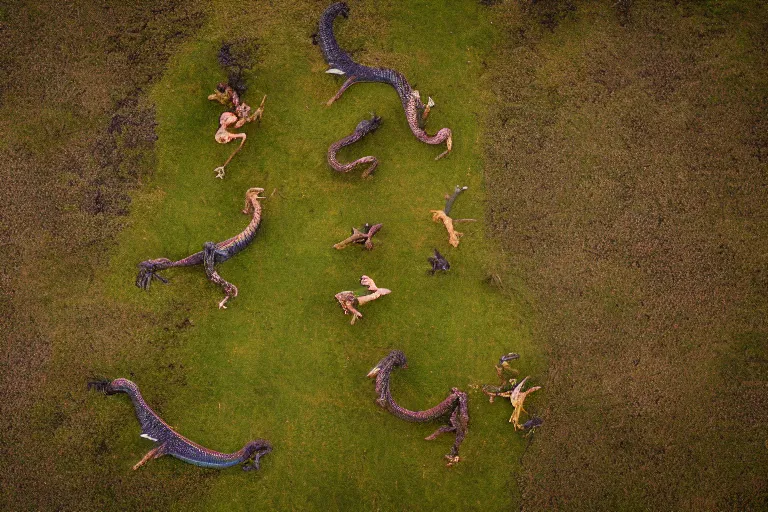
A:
x: 627, y: 179
x: 78, y: 136
x: 237, y: 58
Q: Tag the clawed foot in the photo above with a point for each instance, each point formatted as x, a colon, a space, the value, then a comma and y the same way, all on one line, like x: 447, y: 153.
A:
x: 452, y: 460
x: 449, y: 147
x: 355, y: 316
x: 147, y: 272
x: 219, y: 172
x: 254, y: 465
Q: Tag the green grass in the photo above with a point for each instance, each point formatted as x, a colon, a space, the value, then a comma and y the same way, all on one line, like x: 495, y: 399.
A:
x: 282, y: 362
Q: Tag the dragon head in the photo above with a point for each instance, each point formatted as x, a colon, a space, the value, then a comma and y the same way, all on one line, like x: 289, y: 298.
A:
x: 253, y: 193
x: 147, y: 271
x: 394, y: 359
x: 367, y: 126
x: 252, y: 199
x: 341, y: 8
x: 508, y: 357
x: 255, y: 450
x: 111, y: 387
x: 101, y: 385
x: 533, y: 423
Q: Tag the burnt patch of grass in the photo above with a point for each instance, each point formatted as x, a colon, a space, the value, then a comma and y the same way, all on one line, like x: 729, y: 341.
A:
x: 238, y: 57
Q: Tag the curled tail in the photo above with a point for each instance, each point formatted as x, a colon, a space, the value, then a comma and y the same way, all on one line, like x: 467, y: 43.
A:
x: 365, y: 127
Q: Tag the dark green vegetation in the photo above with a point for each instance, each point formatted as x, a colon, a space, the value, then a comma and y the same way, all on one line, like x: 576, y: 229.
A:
x: 625, y: 161
x: 627, y: 176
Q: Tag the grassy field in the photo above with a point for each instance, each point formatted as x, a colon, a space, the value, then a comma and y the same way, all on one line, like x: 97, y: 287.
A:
x: 282, y: 362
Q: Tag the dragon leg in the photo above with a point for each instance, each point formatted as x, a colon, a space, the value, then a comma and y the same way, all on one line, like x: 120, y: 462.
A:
x: 154, y: 453
x: 259, y: 111
x: 230, y: 290
x: 442, y: 430
x: 425, y: 113
x: 453, y: 235
x: 356, y: 237
x: 449, y: 147
x: 350, y: 81
x: 220, y: 170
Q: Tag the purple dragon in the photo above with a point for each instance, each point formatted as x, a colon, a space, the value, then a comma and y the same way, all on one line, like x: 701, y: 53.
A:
x: 171, y: 443
x: 342, y: 64
x: 363, y: 128
x: 211, y: 254
x: 454, y: 407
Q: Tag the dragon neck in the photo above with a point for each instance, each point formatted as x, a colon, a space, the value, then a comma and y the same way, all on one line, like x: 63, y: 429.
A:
x: 250, y: 230
x: 346, y: 141
x: 132, y: 390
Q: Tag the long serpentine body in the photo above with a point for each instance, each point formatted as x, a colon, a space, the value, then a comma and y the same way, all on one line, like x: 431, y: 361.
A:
x: 455, y: 406
x: 363, y: 128
x: 172, y: 443
x: 211, y: 254
x: 341, y: 63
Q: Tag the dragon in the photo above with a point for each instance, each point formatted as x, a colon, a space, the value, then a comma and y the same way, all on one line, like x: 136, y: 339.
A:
x: 211, y: 254
x: 514, y: 391
x: 350, y: 302
x: 443, y: 216
x: 363, y: 128
x: 438, y: 262
x: 454, y: 407
x: 360, y: 236
x: 227, y: 96
x: 342, y: 64
x: 169, y: 442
